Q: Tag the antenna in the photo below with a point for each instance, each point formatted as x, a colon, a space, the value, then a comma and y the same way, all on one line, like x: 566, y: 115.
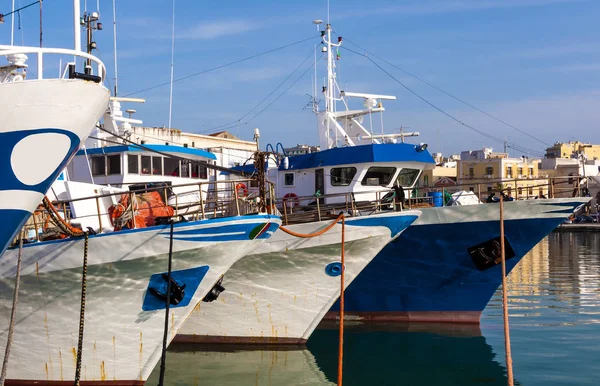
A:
x: 172, y: 65
x: 115, y: 44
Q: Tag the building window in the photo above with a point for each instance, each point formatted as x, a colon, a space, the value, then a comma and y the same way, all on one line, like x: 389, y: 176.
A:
x: 133, y: 163
x: 520, y: 171
x: 407, y: 177
x: 378, y: 176
x: 520, y: 191
x: 342, y: 176
x: 114, y: 164
x: 489, y: 189
x: 157, y: 166
x: 509, y: 172
x: 146, y: 164
x: 530, y: 172
x: 288, y: 179
x: 471, y: 172
x: 489, y: 170
x: 531, y: 191
x: 98, y: 166
x: 171, y: 167
x: 471, y: 189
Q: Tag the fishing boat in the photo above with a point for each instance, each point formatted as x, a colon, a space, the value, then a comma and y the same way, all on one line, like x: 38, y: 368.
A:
x: 445, y: 267
x: 46, y: 117
x: 279, y: 294
x: 126, y: 282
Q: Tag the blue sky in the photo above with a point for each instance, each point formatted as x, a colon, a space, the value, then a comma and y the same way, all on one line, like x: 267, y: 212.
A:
x: 532, y: 63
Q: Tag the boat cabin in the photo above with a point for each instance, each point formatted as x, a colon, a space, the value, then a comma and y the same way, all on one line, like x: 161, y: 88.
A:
x: 364, y: 171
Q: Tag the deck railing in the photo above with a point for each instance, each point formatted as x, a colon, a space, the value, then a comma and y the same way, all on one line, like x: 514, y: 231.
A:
x: 100, y: 70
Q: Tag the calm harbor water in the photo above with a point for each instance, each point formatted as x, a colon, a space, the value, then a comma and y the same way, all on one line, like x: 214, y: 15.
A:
x: 554, y: 296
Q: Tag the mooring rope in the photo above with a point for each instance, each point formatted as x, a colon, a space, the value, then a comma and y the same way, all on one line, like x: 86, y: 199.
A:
x: 82, y: 311
x: 315, y: 234
x: 13, y: 313
x: 64, y: 226
x: 509, y: 369
x: 163, y: 358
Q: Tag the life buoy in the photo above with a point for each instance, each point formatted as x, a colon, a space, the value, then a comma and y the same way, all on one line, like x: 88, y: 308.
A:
x: 244, y: 190
x: 291, y: 197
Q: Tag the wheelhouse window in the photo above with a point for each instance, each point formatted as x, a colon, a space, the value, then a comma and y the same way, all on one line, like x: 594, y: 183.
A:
x: 171, y: 167
x: 378, y: 176
x: 288, y: 179
x: 199, y: 171
x: 98, y: 166
x: 113, y: 164
x: 146, y: 164
x: 342, y: 176
x: 185, y: 169
x: 203, y: 171
x: 157, y: 166
x: 407, y: 177
x: 133, y: 166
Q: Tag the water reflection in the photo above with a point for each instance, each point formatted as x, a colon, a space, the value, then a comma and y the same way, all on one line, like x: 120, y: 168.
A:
x: 554, y: 296
x: 559, y: 278
x: 409, y: 354
x: 237, y: 365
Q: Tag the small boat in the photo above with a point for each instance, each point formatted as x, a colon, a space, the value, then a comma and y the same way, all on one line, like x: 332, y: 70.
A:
x: 44, y: 120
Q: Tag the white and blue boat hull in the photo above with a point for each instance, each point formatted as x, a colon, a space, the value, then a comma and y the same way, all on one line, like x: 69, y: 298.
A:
x: 279, y: 294
x: 42, y: 124
x: 124, y: 320
x: 427, y: 274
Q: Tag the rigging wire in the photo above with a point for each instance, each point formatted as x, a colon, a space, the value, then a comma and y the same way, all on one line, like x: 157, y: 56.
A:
x: 274, y: 100
x: 263, y: 100
x: 222, y: 66
x: 20, y: 9
x: 483, y: 133
x: 447, y: 93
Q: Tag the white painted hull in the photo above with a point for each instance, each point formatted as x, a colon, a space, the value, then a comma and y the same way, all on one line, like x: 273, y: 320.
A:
x: 122, y: 342
x: 281, y: 293
x: 42, y: 123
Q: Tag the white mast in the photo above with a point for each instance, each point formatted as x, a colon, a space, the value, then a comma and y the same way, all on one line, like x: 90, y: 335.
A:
x: 172, y: 65
x: 12, y: 24
x: 76, y: 24
x: 115, y: 44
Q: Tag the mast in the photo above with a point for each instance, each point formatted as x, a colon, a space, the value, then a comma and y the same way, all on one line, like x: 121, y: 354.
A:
x: 115, y: 44
x: 172, y: 65
x: 77, y: 25
x: 12, y: 24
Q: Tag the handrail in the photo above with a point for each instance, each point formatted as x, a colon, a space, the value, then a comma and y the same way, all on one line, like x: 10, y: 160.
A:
x: 11, y: 50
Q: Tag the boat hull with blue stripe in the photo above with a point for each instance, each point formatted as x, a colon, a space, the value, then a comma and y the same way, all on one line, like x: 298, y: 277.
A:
x: 446, y: 267
x: 279, y: 294
x: 43, y: 123
x: 126, y: 284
